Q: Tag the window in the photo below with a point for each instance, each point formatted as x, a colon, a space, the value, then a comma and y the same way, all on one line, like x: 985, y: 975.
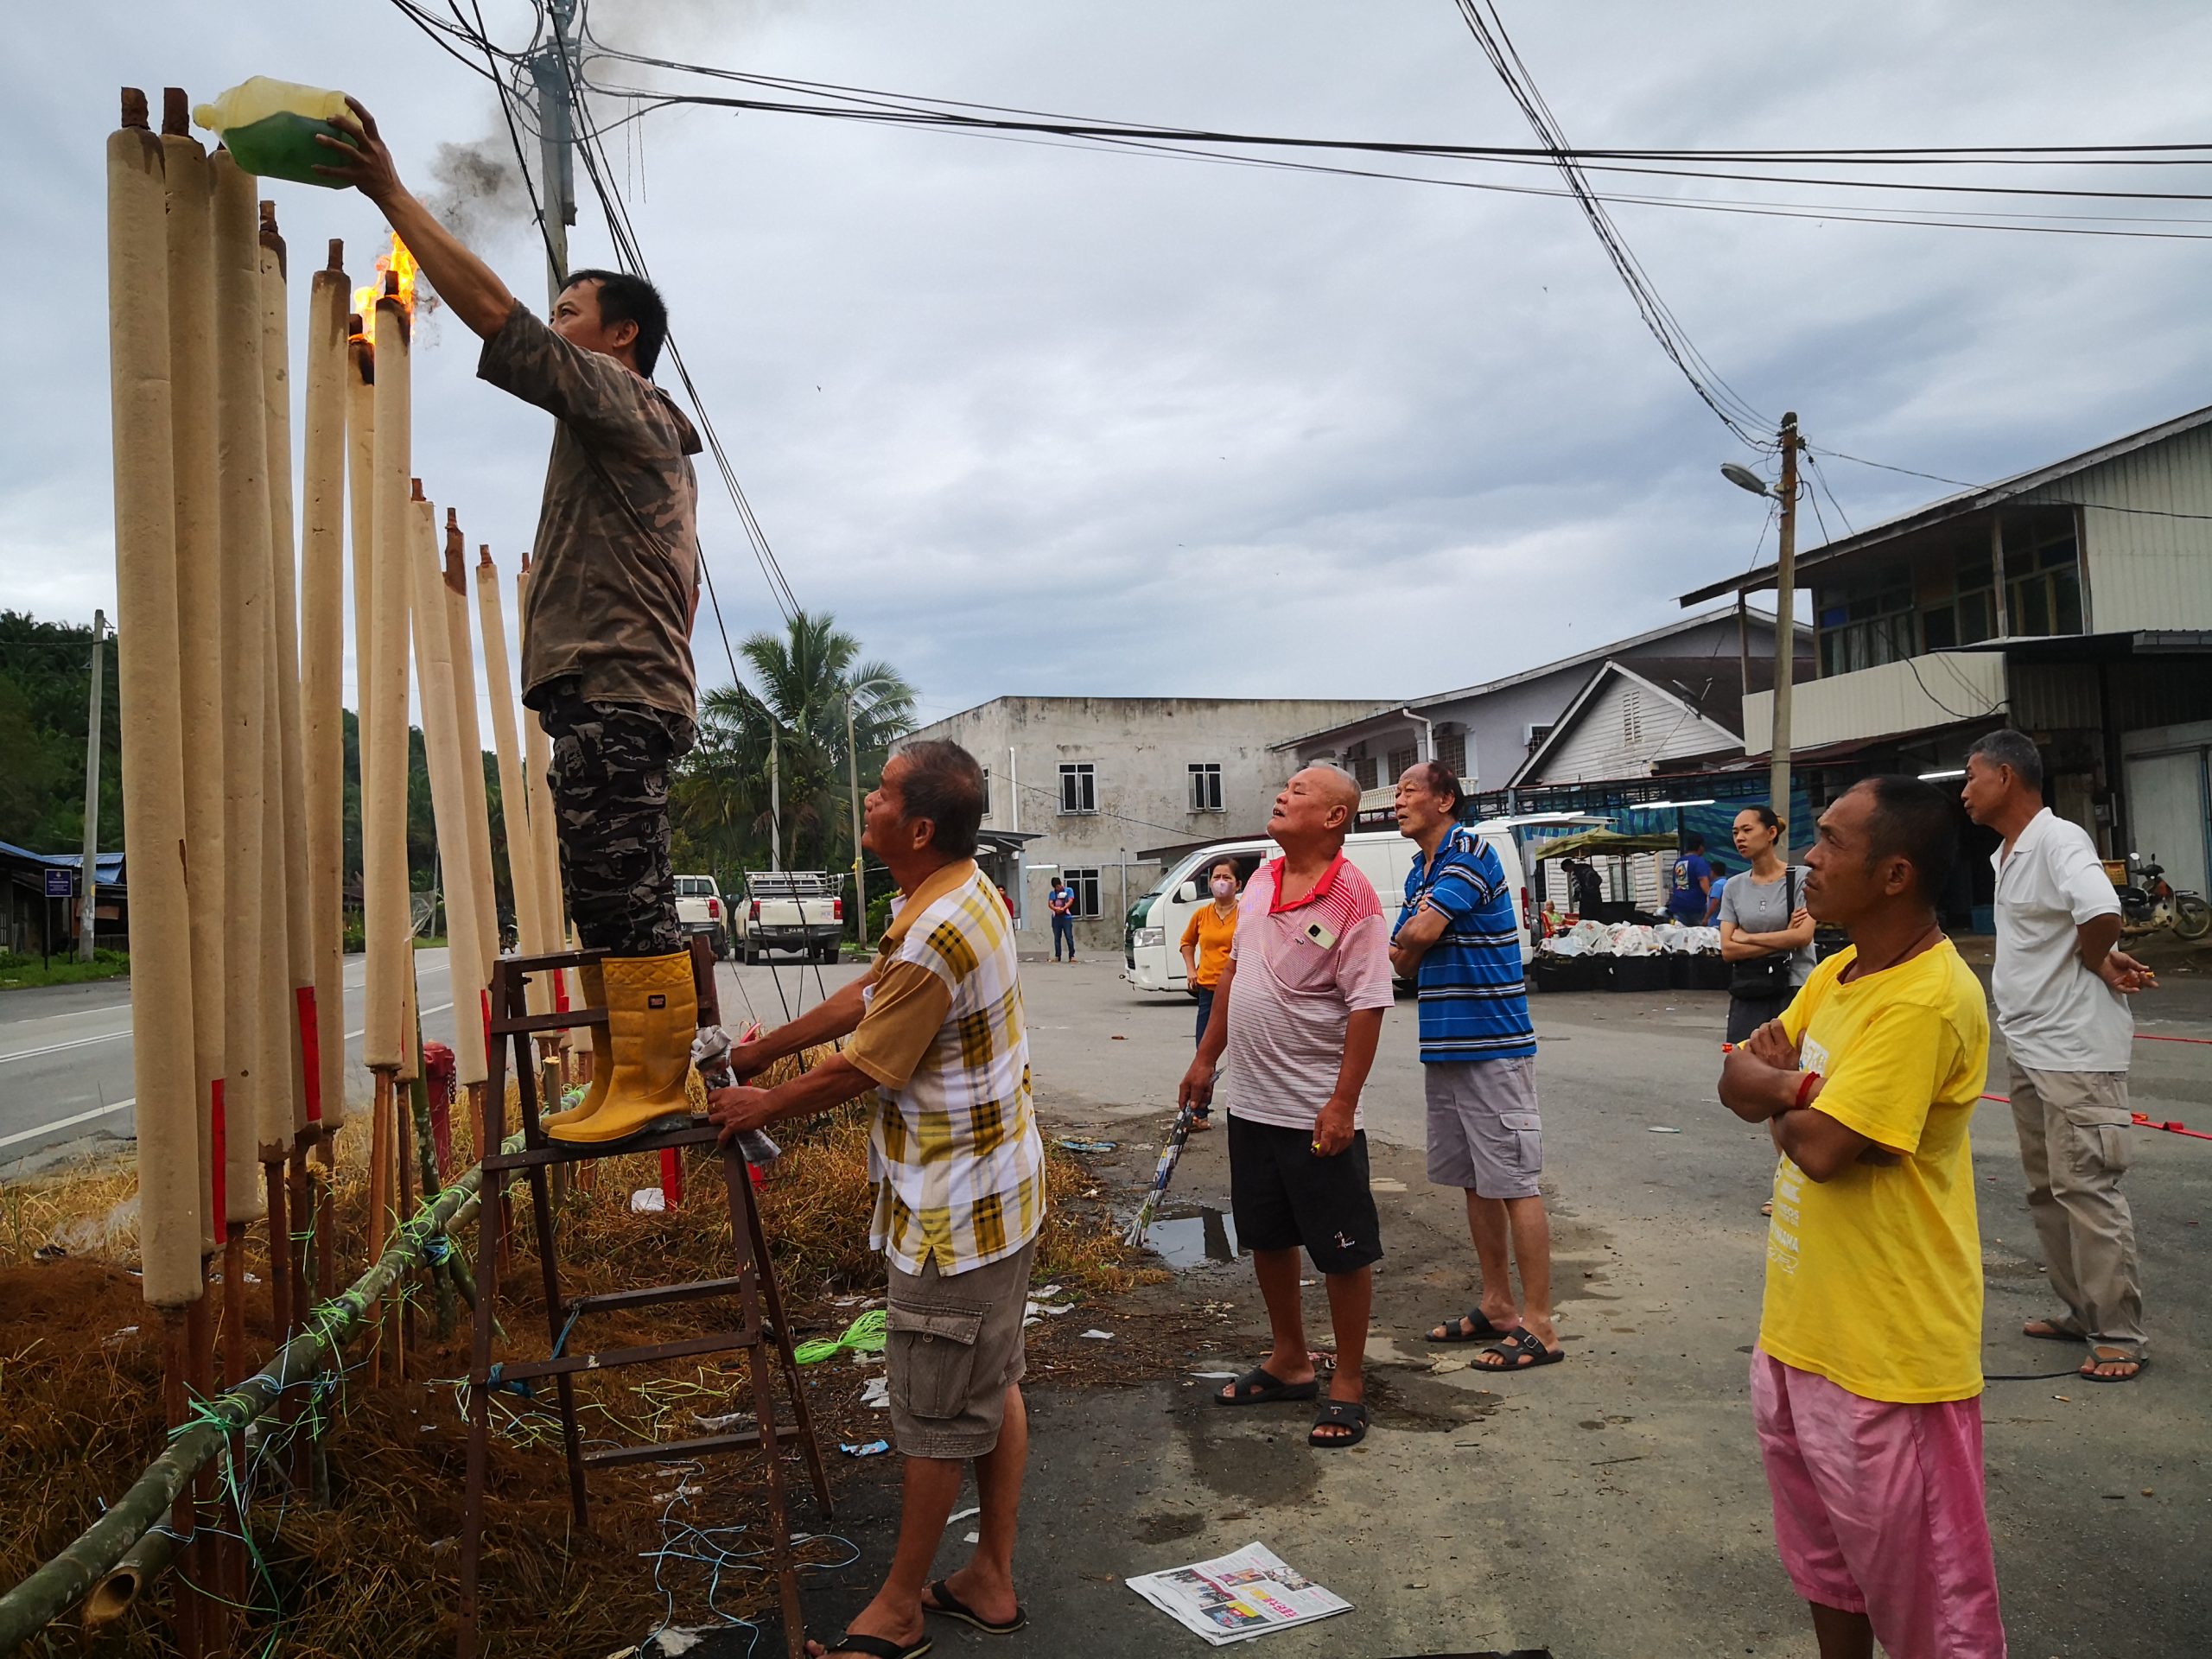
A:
x: 1969, y: 615
x: 1079, y: 787
x: 1399, y: 759
x: 1452, y: 752
x: 1632, y: 716
x: 1363, y: 771
x: 2043, y: 576
x: 1866, y: 629
x: 1084, y: 884
x: 1206, y: 786
x: 986, y: 792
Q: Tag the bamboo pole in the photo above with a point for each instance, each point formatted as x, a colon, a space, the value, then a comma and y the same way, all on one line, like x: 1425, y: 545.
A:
x: 150, y: 670
x: 46, y: 1594
x: 473, y: 793
x: 434, y: 677
x: 322, y: 649
x: 191, y: 296
x: 242, y: 462
x: 514, y: 789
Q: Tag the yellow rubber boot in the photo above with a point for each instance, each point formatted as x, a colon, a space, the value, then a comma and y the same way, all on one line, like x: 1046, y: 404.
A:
x: 653, y: 1014
x: 594, y: 986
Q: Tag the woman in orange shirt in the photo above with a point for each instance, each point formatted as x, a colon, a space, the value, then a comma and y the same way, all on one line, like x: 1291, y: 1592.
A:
x: 1205, y: 952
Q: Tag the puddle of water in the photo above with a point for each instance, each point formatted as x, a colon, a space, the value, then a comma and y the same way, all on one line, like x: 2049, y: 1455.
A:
x: 1194, y: 1238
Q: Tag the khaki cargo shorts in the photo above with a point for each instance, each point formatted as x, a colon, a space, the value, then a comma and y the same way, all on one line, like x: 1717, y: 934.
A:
x: 1484, y: 1135
x: 953, y: 1350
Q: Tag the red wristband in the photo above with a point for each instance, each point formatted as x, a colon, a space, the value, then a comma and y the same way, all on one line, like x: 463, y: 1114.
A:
x: 1804, y: 1089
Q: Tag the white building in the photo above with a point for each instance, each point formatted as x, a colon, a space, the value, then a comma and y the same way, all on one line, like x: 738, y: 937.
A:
x: 1094, y: 780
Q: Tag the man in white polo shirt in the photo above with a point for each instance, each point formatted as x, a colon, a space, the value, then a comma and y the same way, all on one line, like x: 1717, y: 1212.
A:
x: 2061, y: 993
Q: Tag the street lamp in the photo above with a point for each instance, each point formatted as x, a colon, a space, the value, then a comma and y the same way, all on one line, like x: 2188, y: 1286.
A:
x: 1745, y: 479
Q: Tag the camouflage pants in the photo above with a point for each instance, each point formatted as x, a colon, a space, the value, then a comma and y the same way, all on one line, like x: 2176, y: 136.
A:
x: 609, y: 777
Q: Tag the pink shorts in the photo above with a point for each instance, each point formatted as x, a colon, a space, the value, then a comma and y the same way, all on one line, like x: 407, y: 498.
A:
x: 1878, y: 1510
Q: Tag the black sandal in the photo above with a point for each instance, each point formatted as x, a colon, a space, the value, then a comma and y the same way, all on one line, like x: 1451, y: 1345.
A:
x: 1259, y: 1386
x: 952, y: 1607
x: 1349, y: 1414
x: 1523, y: 1350
x: 1451, y: 1332
x: 877, y: 1647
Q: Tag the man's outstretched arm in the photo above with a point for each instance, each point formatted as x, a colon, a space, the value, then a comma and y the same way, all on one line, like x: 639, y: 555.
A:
x: 469, y: 288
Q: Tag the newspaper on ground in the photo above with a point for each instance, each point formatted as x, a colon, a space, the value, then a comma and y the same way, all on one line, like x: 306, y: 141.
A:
x: 1233, y: 1597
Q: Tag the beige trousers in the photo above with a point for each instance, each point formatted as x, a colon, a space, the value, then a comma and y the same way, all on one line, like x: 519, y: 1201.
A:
x: 2074, y: 1129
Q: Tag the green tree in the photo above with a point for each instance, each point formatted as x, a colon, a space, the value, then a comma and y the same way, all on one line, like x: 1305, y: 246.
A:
x: 45, y: 677
x: 720, y: 795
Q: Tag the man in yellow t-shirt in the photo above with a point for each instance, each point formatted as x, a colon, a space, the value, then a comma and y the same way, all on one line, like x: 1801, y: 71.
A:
x: 1867, y: 1383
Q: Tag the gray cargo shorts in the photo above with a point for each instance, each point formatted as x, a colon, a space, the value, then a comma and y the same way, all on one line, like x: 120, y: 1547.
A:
x: 1484, y: 1132
x: 953, y: 1348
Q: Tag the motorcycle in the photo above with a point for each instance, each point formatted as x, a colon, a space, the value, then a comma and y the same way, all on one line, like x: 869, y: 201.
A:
x: 2147, y: 903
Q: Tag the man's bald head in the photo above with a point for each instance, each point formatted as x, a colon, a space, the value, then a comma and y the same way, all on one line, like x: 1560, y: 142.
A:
x: 1315, y: 809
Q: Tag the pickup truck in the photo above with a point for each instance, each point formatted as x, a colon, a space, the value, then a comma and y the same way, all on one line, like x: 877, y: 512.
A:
x: 699, y: 910
x: 791, y: 909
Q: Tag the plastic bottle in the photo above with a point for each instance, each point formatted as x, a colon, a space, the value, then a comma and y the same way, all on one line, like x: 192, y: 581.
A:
x: 269, y: 126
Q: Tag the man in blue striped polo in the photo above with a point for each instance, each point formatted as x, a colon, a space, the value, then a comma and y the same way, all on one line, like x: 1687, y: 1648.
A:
x: 1457, y: 940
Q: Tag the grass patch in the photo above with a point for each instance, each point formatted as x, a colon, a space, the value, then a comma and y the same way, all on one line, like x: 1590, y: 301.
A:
x: 17, y: 972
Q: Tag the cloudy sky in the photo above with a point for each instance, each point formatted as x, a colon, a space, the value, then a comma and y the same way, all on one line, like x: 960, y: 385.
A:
x: 1029, y: 418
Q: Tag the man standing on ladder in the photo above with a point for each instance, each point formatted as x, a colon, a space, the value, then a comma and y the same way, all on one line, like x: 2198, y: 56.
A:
x: 605, y: 630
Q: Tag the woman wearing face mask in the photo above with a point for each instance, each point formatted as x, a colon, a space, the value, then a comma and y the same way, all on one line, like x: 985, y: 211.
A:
x: 1766, y: 933
x: 1205, y: 952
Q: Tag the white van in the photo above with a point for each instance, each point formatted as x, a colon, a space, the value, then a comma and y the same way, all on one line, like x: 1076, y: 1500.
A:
x: 1154, y: 933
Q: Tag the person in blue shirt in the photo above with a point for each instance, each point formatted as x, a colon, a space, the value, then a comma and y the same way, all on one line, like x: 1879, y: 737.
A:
x: 1459, y: 940
x: 1689, y: 892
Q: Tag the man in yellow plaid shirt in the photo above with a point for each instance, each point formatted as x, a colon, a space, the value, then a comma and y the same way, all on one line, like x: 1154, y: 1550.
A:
x: 957, y: 1167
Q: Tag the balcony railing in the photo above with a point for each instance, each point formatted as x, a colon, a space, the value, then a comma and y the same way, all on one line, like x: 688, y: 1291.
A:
x: 1941, y: 689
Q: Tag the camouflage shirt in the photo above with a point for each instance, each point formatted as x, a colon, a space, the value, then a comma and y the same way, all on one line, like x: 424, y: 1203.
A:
x: 615, y: 568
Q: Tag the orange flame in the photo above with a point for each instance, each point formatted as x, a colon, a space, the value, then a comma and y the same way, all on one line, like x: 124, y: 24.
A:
x: 398, y: 261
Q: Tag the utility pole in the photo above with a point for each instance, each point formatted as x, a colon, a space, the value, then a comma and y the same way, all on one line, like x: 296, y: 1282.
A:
x: 88, y: 882
x: 775, y: 800
x: 1785, y: 619
x: 860, y: 876
x: 551, y: 69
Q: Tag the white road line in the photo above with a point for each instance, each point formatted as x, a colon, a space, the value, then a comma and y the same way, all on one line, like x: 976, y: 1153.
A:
x: 440, y: 1008
x: 56, y: 1048
x: 76, y: 1118
x: 68, y: 1123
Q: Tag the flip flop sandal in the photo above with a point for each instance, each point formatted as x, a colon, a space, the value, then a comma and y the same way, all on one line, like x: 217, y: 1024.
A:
x: 952, y: 1607
x: 1258, y: 1386
x: 1349, y: 1414
x: 2140, y: 1363
x: 1524, y: 1351
x: 1477, y: 1318
x: 878, y: 1647
x: 2052, y: 1331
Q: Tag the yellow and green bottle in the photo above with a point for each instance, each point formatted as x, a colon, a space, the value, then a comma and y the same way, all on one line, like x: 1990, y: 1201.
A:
x: 269, y: 127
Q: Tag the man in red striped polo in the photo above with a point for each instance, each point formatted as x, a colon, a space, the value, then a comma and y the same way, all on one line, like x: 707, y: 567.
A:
x: 1298, y: 1012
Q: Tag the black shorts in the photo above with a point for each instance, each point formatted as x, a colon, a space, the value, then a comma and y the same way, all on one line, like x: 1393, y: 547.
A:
x: 1747, y: 1014
x: 1284, y: 1194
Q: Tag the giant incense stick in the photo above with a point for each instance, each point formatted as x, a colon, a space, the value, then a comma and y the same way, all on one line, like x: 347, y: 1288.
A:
x: 361, y: 522
x: 514, y: 789
x: 472, y: 750
x: 199, y: 620
x: 149, y: 668
x: 283, y: 1120
x: 537, y: 750
x: 241, y: 514
x: 383, y: 832
x: 322, y: 648
x: 434, y: 678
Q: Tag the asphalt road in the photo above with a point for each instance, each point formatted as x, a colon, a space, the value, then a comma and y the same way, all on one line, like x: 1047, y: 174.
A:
x: 66, y: 1050
x: 65, y: 1056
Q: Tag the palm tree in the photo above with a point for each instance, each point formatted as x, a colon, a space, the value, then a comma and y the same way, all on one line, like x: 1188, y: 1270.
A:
x: 805, y: 675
